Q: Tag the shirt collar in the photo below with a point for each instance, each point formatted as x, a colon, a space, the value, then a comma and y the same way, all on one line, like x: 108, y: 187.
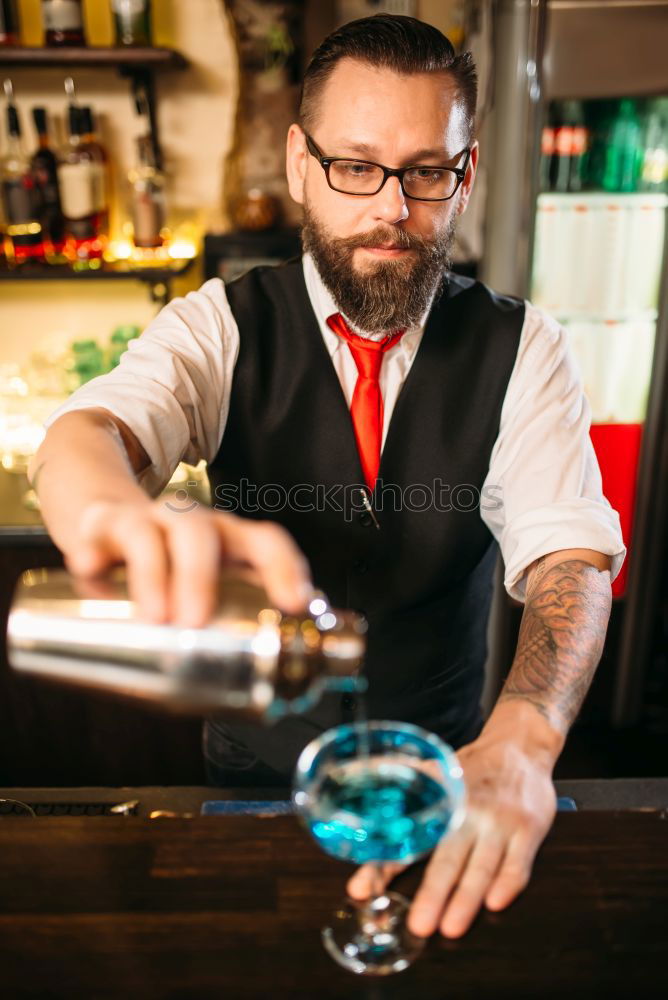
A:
x: 324, y: 305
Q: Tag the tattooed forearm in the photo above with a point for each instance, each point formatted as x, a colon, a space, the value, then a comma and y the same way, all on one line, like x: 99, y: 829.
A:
x: 561, y: 639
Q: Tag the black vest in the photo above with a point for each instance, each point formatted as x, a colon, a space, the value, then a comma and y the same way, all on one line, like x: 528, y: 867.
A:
x: 423, y: 579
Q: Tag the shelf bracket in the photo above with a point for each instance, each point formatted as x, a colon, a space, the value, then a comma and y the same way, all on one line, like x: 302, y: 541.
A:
x: 160, y: 292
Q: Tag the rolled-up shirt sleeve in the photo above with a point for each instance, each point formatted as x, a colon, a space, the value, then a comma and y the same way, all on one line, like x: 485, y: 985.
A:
x: 172, y: 386
x: 543, y: 491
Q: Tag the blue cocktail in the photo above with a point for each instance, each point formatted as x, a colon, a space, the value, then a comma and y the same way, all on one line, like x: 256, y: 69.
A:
x: 377, y: 792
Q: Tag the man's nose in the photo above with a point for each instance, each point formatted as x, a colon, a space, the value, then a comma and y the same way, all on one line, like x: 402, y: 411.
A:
x: 390, y: 203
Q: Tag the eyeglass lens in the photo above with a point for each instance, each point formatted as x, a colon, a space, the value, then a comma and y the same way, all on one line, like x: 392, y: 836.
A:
x: 357, y: 177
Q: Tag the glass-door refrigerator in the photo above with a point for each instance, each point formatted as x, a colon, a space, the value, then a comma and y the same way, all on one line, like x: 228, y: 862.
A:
x: 578, y: 181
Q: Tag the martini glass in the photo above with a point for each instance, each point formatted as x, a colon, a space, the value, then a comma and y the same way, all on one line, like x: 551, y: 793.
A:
x: 377, y: 792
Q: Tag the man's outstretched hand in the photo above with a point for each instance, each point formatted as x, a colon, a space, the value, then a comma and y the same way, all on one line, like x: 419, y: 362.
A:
x: 173, y: 557
x: 510, y: 806
x: 511, y: 801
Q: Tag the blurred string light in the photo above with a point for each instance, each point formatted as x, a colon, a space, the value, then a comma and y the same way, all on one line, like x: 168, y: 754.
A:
x: 182, y: 243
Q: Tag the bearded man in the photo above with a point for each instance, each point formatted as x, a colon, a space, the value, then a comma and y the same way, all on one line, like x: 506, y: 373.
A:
x: 326, y: 394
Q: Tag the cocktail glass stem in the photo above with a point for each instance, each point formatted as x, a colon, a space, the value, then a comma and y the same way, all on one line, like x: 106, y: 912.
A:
x: 371, y: 936
x: 375, y: 915
x: 383, y: 912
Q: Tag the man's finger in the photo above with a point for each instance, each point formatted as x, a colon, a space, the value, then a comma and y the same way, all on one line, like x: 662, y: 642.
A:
x: 194, y: 549
x: 441, y: 875
x: 109, y: 537
x: 142, y: 545
x: 514, y: 873
x: 269, y: 548
x: 481, y: 869
x: 368, y: 879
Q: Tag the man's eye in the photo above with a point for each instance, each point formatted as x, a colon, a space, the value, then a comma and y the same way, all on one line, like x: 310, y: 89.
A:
x: 356, y: 169
x: 430, y: 175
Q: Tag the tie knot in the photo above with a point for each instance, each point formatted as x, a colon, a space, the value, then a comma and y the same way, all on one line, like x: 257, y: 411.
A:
x: 367, y: 354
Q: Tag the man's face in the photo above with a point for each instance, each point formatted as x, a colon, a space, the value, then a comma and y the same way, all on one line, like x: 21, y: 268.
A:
x: 382, y: 255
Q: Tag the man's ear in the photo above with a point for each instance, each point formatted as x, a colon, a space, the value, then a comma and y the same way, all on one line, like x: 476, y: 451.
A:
x: 296, y: 157
x: 467, y: 184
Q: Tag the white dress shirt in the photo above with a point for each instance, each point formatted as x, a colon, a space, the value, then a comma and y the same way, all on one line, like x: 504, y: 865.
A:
x: 173, y: 384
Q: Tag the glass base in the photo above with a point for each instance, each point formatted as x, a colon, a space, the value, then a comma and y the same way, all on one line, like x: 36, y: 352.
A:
x: 371, y: 937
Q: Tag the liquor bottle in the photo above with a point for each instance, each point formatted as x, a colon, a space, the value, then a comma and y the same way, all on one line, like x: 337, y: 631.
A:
x: 148, y: 197
x: 9, y: 23
x: 44, y: 166
x: 97, y: 151
x: 23, y: 231
x: 81, y: 179
x: 250, y: 659
x: 63, y: 22
x: 132, y: 21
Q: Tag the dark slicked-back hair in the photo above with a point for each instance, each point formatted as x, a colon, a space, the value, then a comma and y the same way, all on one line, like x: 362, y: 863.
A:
x: 390, y: 41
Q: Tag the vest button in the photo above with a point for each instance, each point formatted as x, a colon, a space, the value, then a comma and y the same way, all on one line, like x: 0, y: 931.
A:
x: 365, y: 519
x: 348, y: 702
x: 360, y: 566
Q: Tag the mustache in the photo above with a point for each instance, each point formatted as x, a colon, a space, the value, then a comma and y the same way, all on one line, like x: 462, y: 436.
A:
x: 384, y: 236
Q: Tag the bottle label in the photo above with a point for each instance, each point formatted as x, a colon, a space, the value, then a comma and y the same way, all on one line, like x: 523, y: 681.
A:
x: 579, y: 142
x: 78, y: 189
x: 564, y: 140
x: 62, y: 15
x: 547, y: 141
x: 18, y: 197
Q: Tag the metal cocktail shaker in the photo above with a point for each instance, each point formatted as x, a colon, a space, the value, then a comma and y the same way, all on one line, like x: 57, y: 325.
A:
x: 249, y: 659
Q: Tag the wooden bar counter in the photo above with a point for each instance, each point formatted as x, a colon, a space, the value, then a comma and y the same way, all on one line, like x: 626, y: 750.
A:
x: 231, y: 907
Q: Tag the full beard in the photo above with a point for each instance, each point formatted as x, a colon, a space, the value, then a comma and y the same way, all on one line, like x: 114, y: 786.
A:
x: 391, y: 294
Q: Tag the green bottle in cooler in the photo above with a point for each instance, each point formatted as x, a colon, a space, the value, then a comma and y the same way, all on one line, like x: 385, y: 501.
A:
x: 624, y: 151
x: 600, y: 114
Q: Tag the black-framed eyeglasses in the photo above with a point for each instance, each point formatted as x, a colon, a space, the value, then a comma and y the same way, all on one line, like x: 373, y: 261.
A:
x: 362, y: 177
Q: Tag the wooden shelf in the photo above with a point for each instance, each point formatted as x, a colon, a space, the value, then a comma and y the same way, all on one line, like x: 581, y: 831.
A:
x: 138, y: 65
x: 118, y: 271
x: 117, y: 57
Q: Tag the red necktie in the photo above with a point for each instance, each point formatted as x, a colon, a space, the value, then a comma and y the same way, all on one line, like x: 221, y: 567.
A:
x: 366, y: 408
